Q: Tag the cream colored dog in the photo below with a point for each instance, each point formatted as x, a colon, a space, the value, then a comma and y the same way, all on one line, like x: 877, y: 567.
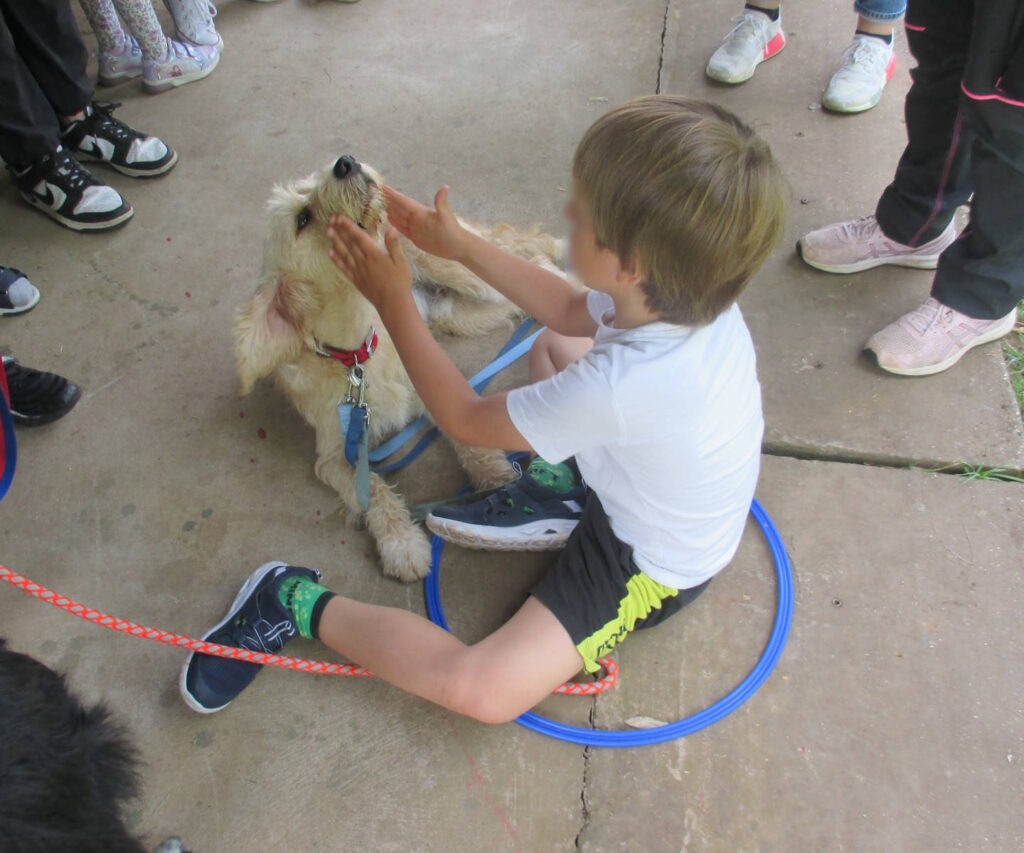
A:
x: 305, y: 304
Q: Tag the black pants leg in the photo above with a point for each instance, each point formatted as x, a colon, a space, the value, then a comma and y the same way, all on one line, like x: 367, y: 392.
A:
x: 933, y: 176
x: 982, y: 273
x: 42, y: 75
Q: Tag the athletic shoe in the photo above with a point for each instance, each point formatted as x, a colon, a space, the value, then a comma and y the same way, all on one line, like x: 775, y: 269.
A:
x: 17, y: 294
x: 193, y: 21
x: 754, y: 38
x: 865, y: 68
x: 535, y: 513
x: 847, y: 247
x: 62, y: 189
x: 933, y: 338
x: 101, y: 137
x: 256, y: 620
x: 120, y: 65
x: 183, y: 63
x: 38, y: 398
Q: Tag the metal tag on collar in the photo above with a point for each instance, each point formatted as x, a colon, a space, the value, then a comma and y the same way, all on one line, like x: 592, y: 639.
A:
x: 357, y: 385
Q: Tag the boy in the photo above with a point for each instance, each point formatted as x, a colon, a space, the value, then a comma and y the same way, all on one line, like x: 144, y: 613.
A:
x: 648, y: 380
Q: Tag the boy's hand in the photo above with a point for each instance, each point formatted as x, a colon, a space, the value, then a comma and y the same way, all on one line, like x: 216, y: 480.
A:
x: 380, y: 273
x: 436, y: 232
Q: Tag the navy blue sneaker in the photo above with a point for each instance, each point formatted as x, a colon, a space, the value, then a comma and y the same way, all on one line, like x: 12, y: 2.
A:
x: 256, y: 620
x: 535, y: 513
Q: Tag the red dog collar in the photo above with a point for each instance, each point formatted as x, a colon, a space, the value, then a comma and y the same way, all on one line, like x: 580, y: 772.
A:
x: 348, y: 357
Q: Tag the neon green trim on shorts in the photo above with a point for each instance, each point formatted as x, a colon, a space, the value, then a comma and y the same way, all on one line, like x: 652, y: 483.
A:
x: 643, y: 594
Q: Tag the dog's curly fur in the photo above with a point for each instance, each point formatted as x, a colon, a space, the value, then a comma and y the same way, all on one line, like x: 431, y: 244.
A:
x: 304, y: 298
x: 65, y: 770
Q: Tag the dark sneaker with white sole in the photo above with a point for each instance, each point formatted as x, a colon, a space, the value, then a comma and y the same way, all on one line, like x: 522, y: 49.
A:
x: 17, y: 293
x: 535, y: 513
x: 102, y: 138
x: 38, y: 397
x: 65, y: 191
x: 256, y: 620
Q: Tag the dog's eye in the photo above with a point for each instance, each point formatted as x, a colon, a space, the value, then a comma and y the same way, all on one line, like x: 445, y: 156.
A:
x: 303, y: 219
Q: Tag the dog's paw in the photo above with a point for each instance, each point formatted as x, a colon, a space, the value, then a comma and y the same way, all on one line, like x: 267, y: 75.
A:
x: 490, y: 471
x: 406, y: 555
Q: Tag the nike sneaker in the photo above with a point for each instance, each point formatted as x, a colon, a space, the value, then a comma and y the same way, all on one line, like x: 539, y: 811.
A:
x: 65, y: 191
x: 535, y: 513
x: 37, y: 397
x: 256, y: 620
x: 101, y: 137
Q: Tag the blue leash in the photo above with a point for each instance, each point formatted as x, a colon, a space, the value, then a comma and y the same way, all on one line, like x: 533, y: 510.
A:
x: 515, y: 348
x: 688, y: 725
x: 10, y: 448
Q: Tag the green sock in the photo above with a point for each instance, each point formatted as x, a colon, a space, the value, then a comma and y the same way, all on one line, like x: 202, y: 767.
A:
x: 300, y: 596
x: 558, y: 478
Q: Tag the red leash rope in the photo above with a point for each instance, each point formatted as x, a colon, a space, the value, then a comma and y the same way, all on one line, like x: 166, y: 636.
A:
x: 62, y: 602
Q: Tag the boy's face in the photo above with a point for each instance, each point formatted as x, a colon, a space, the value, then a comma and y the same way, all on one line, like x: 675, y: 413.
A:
x: 597, y: 266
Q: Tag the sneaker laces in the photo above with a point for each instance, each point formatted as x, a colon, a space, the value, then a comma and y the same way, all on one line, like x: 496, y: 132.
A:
x: 109, y: 127
x: 748, y: 27
x: 72, y: 173
x: 862, y: 56
x: 932, y: 313
x: 860, y: 229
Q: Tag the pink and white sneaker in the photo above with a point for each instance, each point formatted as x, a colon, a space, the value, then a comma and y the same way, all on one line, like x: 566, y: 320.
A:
x: 754, y: 38
x: 117, y: 66
x: 183, y: 63
x: 865, y: 68
x: 933, y: 338
x: 859, y: 244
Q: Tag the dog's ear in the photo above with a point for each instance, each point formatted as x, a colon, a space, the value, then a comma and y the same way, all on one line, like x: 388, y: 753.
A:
x: 269, y: 331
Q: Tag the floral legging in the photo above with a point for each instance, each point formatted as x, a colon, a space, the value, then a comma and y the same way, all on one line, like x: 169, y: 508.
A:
x: 140, y: 19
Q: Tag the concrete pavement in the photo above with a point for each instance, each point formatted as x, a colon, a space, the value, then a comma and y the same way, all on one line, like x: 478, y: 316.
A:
x: 894, y: 721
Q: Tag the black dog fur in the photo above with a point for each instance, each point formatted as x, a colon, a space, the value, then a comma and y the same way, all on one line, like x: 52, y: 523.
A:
x: 66, y: 771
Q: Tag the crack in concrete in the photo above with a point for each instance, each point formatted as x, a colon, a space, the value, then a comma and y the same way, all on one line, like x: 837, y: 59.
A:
x: 584, y: 800
x: 786, y: 450
x: 661, y: 52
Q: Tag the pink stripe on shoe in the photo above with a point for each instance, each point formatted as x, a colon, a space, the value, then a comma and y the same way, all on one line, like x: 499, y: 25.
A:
x: 915, y: 28
x: 775, y: 45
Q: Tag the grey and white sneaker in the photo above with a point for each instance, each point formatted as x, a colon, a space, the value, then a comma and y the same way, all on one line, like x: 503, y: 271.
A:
x: 17, y: 293
x: 61, y: 188
x: 193, y: 21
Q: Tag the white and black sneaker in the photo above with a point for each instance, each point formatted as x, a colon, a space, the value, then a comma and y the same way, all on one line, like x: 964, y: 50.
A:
x: 65, y: 191
x: 101, y: 137
x: 535, y: 513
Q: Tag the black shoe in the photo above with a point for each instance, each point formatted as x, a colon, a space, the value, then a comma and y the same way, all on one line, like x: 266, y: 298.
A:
x: 38, y: 398
x: 535, y: 513
x: 101, y: 137
x: 68, y: 193
x: 257, y: 621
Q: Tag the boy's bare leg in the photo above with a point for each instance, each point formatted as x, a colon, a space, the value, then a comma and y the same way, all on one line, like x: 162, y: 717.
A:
x: 494, y: 680
x: 552, y: 352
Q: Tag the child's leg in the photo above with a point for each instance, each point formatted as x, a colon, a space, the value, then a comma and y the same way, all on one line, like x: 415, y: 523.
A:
x: 143, y: 24
x: 493, y: 681
x: 552, y: 352
x: 105, y: 26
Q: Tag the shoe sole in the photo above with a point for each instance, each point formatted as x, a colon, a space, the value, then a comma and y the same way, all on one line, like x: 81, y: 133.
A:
x: 254, y: 580
x: 105, y: 225
x: 917, y: 262
x: 997, y: 333
x: 110, y: 82
x: 529, y: 537
x: 128, y: 170
x: 174, y: 82
x: 735, y: 81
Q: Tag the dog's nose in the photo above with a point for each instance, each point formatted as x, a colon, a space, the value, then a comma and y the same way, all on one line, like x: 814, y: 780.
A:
x: 345, y: 167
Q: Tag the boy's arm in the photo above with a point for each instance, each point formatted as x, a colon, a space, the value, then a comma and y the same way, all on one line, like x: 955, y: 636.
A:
x: 384, y: 277
x: 543, y: 295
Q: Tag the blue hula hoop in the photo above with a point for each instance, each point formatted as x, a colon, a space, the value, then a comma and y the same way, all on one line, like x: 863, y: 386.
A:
x: 688, y: 725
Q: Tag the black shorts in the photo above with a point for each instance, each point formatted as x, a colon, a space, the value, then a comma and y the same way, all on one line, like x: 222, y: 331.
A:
x: 599, y: 594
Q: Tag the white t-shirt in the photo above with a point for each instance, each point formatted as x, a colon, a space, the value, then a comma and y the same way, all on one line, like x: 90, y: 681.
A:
x: 665, y: 424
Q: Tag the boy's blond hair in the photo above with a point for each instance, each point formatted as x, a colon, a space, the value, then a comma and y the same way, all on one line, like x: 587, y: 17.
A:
x: 686, y: 192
